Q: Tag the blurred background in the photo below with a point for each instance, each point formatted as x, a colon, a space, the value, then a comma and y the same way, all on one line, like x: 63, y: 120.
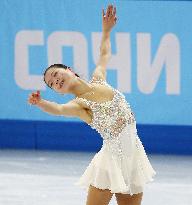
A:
x: 43, y: 155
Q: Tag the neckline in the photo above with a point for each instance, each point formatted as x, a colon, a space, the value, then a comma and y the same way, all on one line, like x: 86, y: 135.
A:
x: 101, y: 103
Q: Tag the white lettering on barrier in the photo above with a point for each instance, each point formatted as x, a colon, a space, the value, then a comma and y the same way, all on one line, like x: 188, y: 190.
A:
x: 23, y: 40
x: 57, y: 40
x: 167, y: 56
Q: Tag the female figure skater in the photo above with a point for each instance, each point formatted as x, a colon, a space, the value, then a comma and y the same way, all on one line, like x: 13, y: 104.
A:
x: 121, y: 167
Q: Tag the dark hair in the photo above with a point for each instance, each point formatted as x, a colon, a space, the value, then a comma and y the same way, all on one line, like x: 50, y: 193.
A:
x: 57, y: 66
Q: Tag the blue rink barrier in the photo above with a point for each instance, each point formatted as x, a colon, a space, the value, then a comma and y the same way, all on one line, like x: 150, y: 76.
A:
x: 78, y: 136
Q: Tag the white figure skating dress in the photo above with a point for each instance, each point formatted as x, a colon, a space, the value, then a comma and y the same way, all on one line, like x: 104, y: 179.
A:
x: 121, y: 165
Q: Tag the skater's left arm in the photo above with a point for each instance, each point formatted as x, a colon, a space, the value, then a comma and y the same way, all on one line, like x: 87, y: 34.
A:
x: 108, y: 21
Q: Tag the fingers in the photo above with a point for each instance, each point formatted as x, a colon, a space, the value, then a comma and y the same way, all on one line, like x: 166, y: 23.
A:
x: 110, y: 13
x: 31, y: 100
x: 34, y: 98
x: 115, y: 19
x: 114, y: 11
x: 103, y: 13
x: 111, y: 10
x: 36, y: 94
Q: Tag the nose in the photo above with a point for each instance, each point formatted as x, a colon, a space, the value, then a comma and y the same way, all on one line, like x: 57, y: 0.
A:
x: 57, y: 82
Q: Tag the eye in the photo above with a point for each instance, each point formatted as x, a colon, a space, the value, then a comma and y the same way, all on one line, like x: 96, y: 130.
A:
x: 55, y: 74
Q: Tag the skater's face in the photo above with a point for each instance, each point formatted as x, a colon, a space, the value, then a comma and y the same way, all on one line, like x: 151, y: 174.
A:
x: 59, y: 79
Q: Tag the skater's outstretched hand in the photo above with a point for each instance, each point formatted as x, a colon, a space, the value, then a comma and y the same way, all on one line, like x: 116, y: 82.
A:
x: 109, y: 19
x: 34, y: 98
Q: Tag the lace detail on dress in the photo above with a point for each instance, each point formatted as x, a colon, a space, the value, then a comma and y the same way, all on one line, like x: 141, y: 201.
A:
x: 110, y: 117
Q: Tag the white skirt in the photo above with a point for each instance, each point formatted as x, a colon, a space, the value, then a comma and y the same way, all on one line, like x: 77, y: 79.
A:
x: 105, y: 172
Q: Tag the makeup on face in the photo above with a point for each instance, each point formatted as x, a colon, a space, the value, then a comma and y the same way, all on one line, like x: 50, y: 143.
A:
x: 53, y: 75
x: 62, y: 77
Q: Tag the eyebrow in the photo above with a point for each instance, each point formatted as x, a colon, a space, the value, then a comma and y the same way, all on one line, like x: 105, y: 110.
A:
x: 51, y: 75
x: 49, y: 80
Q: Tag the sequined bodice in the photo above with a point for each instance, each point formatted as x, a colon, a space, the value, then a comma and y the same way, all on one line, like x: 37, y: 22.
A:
x: 110, y: 117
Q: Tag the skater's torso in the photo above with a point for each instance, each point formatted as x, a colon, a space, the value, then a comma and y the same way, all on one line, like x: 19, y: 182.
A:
x: 107, y: 110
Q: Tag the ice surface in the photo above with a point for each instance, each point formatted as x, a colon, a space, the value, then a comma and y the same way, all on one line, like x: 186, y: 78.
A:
x: 47, y: 178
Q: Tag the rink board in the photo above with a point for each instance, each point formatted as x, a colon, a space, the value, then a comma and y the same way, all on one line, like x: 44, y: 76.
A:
x: 77, y: 136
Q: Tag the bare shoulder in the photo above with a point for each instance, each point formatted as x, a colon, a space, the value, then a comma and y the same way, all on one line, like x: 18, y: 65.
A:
x: 71, y: 109
x: 79, y: 103
x: 78, y: 108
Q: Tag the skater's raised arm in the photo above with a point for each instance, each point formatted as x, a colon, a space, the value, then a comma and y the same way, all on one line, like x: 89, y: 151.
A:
x: 108, y: 21
x: 70, y: 109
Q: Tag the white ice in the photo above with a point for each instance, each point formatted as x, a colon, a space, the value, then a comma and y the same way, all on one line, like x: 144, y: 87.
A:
x: 47, y: 178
